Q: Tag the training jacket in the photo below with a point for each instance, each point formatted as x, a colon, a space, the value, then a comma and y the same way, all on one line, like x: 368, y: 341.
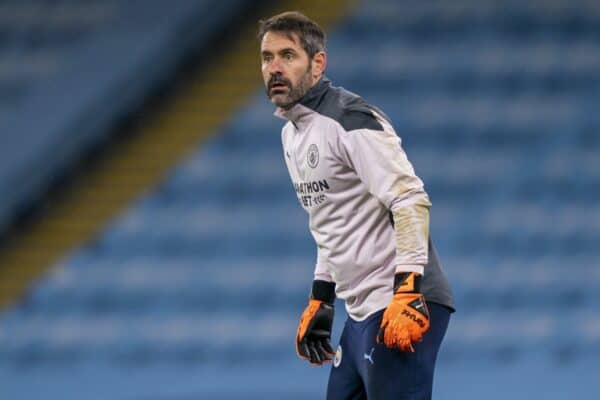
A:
x: 368, y: 211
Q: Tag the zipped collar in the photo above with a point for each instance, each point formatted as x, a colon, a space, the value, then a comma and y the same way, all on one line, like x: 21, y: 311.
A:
x: 315, y: 94
x: 307, y: 105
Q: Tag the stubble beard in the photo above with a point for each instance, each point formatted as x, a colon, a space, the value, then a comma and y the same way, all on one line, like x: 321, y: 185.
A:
x: 295, y: 93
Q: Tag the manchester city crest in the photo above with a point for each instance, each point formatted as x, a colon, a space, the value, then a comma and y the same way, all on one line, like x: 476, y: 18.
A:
x: 313, y: 156
x: 338, y: 357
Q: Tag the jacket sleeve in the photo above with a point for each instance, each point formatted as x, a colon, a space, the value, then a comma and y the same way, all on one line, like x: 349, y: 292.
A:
x: 381, y: 164
x: 321, y: 269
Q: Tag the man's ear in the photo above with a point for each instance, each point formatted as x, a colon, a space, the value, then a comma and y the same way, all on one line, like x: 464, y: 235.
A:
x: 319, y: 63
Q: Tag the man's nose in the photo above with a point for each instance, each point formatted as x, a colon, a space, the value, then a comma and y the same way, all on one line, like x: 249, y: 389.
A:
x: 275, y: 66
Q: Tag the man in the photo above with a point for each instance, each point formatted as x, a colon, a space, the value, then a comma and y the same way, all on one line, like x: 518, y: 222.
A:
x: 369, y: 216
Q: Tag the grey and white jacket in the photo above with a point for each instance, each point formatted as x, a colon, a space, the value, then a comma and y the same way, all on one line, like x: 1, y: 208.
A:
x: 368, y: 211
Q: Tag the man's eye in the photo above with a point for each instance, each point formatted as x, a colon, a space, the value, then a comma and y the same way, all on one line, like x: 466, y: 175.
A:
x: 289, y: 56
x: 267, y: 58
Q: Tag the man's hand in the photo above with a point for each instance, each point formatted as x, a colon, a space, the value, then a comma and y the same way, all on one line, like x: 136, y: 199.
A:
x: 314, y: 330
x: 406, y: 318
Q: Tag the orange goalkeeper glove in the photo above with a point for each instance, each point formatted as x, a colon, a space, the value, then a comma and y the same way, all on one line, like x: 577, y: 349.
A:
x: 406, y: 318
x: 314, y: 330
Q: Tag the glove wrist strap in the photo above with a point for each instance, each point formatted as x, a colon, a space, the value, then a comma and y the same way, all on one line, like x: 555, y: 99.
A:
x: 324, y: 291
x: 407, y: 282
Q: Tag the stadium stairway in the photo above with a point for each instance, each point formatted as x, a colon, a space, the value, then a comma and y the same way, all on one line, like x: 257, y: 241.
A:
x: 79, y: 217
x: 104, y: 56
x: 159, y: 140
x: 156, y: 143
x: 108, y: 56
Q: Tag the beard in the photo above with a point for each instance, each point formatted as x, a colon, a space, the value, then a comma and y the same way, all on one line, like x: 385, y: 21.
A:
x: 294, y: 93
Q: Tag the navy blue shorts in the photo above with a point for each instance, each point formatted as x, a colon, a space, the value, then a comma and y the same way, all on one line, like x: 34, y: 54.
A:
x: 364, y: 369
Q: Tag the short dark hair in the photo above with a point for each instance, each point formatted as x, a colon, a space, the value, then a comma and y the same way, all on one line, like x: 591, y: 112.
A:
x: 312, y: 37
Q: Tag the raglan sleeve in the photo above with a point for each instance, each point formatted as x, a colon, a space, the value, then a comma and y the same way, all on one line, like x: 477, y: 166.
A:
x: 321, y: 269
x: 382, y: 165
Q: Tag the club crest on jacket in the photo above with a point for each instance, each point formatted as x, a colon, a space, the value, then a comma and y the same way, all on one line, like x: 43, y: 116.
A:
x: 313, y: 156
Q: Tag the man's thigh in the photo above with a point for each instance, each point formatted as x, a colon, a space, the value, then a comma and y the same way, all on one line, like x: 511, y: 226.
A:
x: 344, y: 381
x: 393, y: 374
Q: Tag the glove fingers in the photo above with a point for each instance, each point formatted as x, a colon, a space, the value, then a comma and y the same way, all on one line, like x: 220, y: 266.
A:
x: 325, y: 357
x: 381, y: 334
x: 404, y: 322
x: 314, y: 333
x: 400, y: 341
x: 314, y: 354
x: 303, y: 350
x: 327, y: 347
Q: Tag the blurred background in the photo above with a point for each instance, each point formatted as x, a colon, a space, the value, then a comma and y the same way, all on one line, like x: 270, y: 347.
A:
x: 151, y: 243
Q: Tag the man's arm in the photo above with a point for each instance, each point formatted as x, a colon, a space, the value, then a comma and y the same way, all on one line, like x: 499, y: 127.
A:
x: 314, y: 329
x: 321, y: 269
x: 382, y: 165
x: 411, y: 225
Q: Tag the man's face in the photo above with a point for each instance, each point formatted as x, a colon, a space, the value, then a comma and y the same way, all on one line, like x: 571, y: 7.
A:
x: 286, y: 68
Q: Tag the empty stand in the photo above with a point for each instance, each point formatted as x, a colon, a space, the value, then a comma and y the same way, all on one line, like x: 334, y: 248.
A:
x: 70, y: 70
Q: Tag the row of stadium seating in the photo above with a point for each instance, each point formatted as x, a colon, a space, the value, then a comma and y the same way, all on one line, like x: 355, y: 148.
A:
x: 70, y: 70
